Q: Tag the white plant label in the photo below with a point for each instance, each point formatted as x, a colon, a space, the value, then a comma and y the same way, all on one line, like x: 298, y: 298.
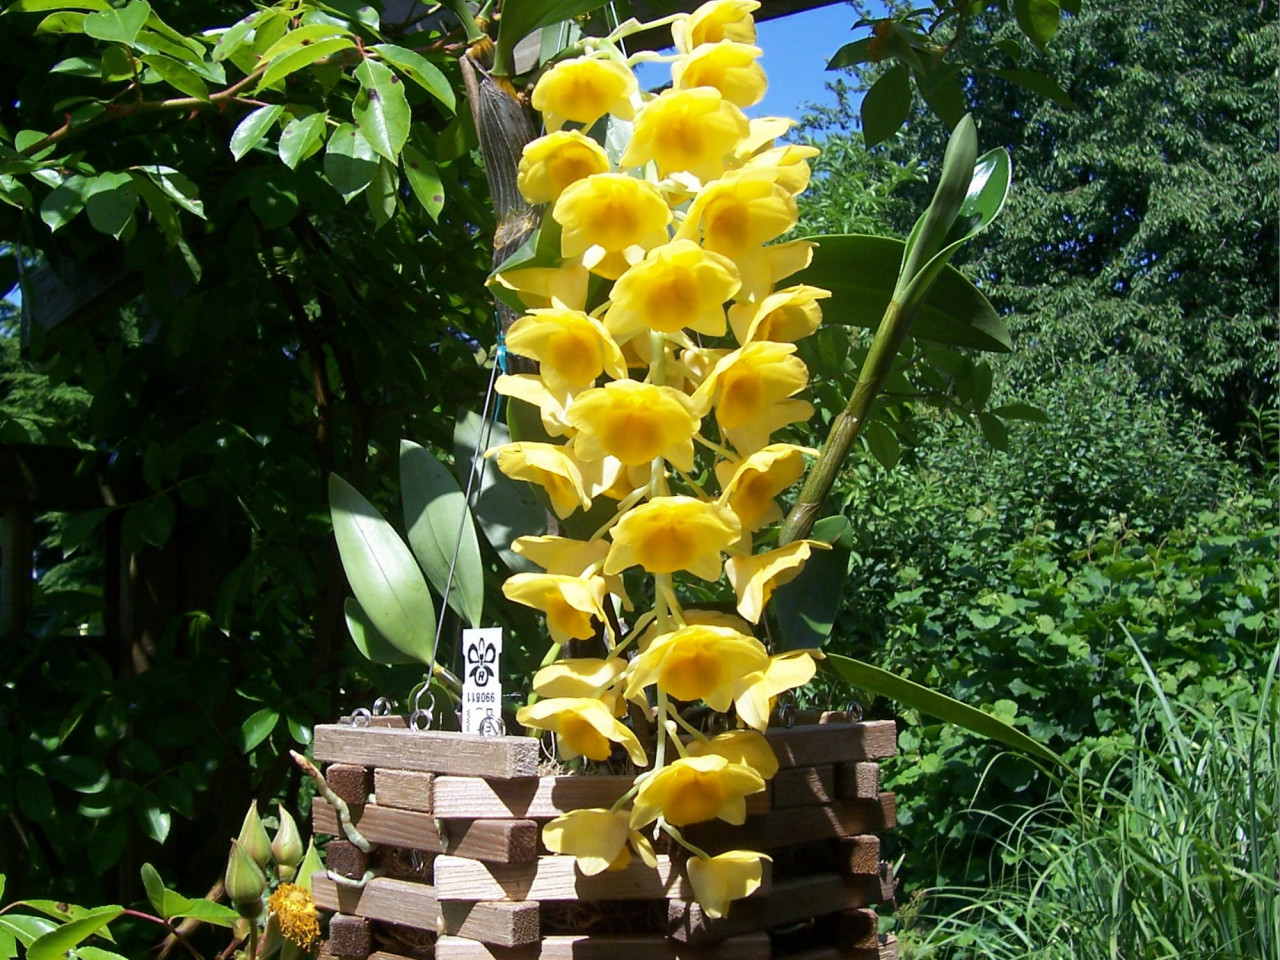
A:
x: 481, y: 682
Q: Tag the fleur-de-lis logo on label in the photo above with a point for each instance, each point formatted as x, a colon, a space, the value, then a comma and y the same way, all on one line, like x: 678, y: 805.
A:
x: 481, y: 656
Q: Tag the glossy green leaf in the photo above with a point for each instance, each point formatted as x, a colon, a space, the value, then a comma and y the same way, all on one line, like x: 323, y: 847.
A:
x: 1047, y: 87
x: 78, y: 67
x: 64, y: 202
x: 301, y: 138
x: 147, y: 521
x: 382, y: 572
x: 155, y: 888
x: 424, y: 180
x: 420, y: 70
x: 303, y: 57
x: 25, y: 928
x: 521, y: 19
x: 252, y: 128
x: 439, y: 523
x: 206, y: 911
x: 382, y: 193
x: 350, y: 163
x: 303, y: 37
x: 235, y: 35
x: 913, y: 695
x: 943, y: 92
x: 886, y: 105
x: 1038, y: 19
x: 97, y: 953
x: 110, y: 199
x: 860, y: 271
x: 55, y: 944
x: 257, y: 728
x: 166, y: 217
x: 154, y: 817
x: 852, y: 54
x: 381, y: 110
x: 176, y: 186
x: 882, y: 443
x: 38, y: 6
x: 368, y: 641
x: 806, y: 608
x: 118, y: 25
x: 178, y: 76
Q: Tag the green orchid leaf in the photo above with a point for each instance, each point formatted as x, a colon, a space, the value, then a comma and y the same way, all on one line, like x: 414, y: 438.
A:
x: 806, y: 608
x: 373, y: 645
x: 521, y: 19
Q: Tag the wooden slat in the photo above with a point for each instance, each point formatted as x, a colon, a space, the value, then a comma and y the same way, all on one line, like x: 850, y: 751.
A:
x: 860, y: 855
x: 792, y: 901
x: 326, y: 953
x: 886, y: 948
x: 498, y: 922
x: 382, y: 898
x: 858, y: 780
x: 749, y: 947
x: 350, y: 781
x: 818, y: 744
x: 803, y: 786
x: 796, y: 825
x: 408, y: 790
x: 558, y: 878
x: 536, y: 799
x: 350, y: 936
x: 857, y: 929
x: 499, y: 841
x: 432, y: 751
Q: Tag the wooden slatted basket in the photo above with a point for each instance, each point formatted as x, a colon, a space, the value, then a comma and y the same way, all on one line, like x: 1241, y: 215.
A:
x: 456, y: 822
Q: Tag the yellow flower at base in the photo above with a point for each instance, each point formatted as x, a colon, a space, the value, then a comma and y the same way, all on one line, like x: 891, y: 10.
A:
x: 730, y: 876
x: 572, y: 349
x: 694, y: 790
x: 610, y: 220
x: 564, y: 286
x: 698, y: 663
x: 295, y: 912
x: 749, y: 388
x: 788, y: 165
x: 783, y: 317
x: 714, y: 21
x: 756, y: 691
x: 551, y: 468
x: 729, y: 67
x: 738, y: 213
x: 754, y: 578
x: 529, y: 388
x: 673, y: 533
x: 635, y: 422
x: 740, y: 746
x: 583, y: 726
x: 595, y: 836
x: 570, y: 603
x: 551, y: 163
x: 678, y: 285
x: 750, y: 485
x: 686, y: 131
x: 583, y: 90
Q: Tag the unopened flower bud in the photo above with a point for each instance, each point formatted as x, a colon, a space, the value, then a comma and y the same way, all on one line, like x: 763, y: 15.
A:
x: 287, y: 846
x: 244, y: 882
x: 253, y: 838
x: 311, y: 865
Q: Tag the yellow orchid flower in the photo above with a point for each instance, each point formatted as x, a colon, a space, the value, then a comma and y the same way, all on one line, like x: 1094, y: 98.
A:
x: 698, y: 662
x: 584, y: 727
x: 583, y: 677
x: 729, y: 876
x: 740, y: 746
x: 634, y: 422
x: 788, y: 164
x: 686, y: 131
x: 572, y: 348
x: 764, y: 130
x: 572, y: 558
x: 727, y: 66
x: 763, y: 267
x: 565, y: 286
x: 695, y: 789
x: 583, y: 90
x: 673, y: 533
x: 693, y: 616
x: 550, y: 467
x: 714, y: 21
x: 610, y: 220
x: 756, y: 691
x: 530, y: 388
x: 596, y: 837
x: 749, y: 389
x: 678, y: 285
x: 754, y: 578
x: 783, y: 317
x: 551, y: 163
x: 571, y: 604
x: 749, y: 486
x: 738, y: 213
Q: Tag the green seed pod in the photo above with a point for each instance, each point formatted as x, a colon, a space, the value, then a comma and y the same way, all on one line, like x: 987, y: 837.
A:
x: 287, y: 846
x: 245, y: 883
x: 253, y: 838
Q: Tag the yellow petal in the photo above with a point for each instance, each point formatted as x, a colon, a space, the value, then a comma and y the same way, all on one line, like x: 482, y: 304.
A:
x: 740, y: 746
x: 550, y: 467
x: 577, y: 677
x: 729, y: 67
x: 596, y: 837
x: 754, y: 697
x: 714, y: 21
x: 551, y: 163
x: 572, y: 348
x: 783, y: 317
x: 677, y: 285
x: 613, y: 212
x: 698, y: 663
x: 541, y: 286
x: 673, y: 533
x: 693, y: 790
x: 634, y: 422
x: 531, y: 389
x: 583, y: 726
x: 583, y: 90
x: 730, y: 876
x: 754, y: 578
x: 749, y: 486
x: 694, y: 131
x: 738, y: 213
x: 572, y: 604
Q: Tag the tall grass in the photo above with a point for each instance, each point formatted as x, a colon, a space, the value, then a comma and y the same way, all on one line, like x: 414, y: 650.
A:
x: 1172, y: 852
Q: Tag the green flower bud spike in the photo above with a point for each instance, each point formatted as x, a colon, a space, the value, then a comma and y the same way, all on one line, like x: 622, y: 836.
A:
x: 287, y: 846
x: 253, y: 838
x: 311, y: 865
x: 244, y: 882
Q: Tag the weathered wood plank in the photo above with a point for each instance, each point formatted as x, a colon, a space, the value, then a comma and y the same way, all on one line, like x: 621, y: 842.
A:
x: 558, y: 878
x: 500, y: 841
x: 346, y: 859
x: 432, y: 751
x: 536, y: 799
x: 857, y: 929
x: 792, y: 901
x: 803, y: 786
x: 408, y: 790
x: 818, y: 744
x: 796, y: 825
x: 860, y: 855
x: 350, y: 936
x: 498, y: 922
x: 749, y: 947
x: 859, y: 780
x: 350, y: 781
x: 382, y: 898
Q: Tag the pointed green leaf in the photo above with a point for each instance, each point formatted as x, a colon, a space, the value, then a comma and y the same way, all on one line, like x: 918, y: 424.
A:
x: 154, y: 817
x: 253, y: 128
x: 806, y: 608
x: 303, y: 37
x: 886, y: 105
x: 424, y: 180
x: 55, y: 944
x: 178, y: 76
x: 234, y: 36
x: 382, y: 572
x: 110, y: 199
x: 368, y: 641
x: 1047, y: 87
x: 65, y: 201
x: 1021, y: 411
x: 521, y: 19
x: 118, y: 25
x: 852, y: 54
x: 994, y: 431
x: 420, y: 70
x: 206, y: 911
x: 26, y: 929
x: 350, y: 163
x: 176, y: 186
x: 439, y: 523
x: 381, y: 109
x: 166, y: 217
x: 882, y: 443
x: 1038, y: 19
x: 79, y: 67
x: 155, y: 888
x: 36, y: 6
x: 382, y: 193
x: 911, y: 694
x: 504, y: 508
x: 97, y: 953
x: 301, y: 138
x: 942, y: 91
x: 296, y: 60
x: 257, y: 728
